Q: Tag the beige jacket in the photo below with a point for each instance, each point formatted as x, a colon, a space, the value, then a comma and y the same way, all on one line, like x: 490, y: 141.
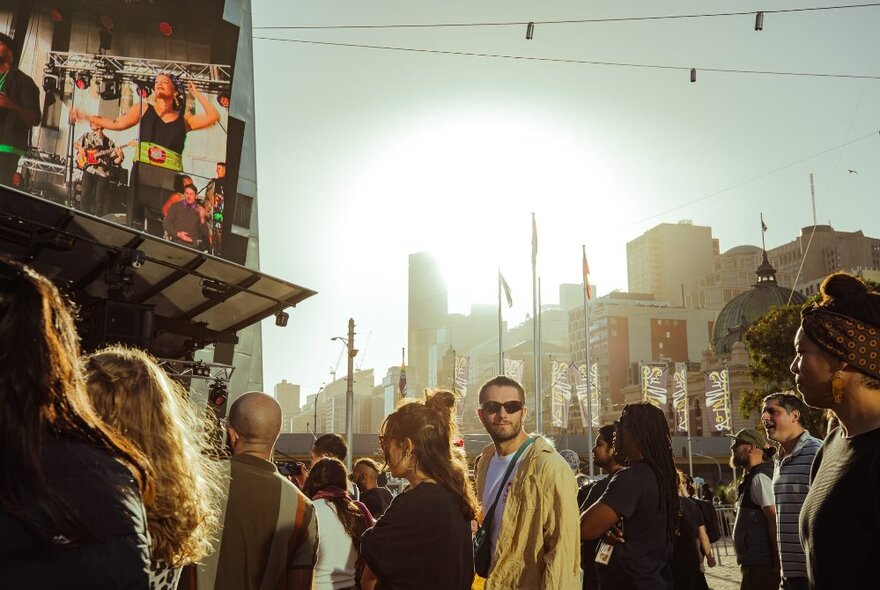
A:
x: 539, y: 540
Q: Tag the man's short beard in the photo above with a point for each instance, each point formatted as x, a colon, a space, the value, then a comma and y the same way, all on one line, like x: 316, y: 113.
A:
x: 496, y: 438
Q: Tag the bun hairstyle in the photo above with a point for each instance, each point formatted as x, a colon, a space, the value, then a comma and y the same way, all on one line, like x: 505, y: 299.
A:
x: 847, y: 295
x: 846, y: 325
x: 430, y: 425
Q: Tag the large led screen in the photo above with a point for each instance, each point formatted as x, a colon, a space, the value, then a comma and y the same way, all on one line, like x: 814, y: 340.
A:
x: 120, y: 109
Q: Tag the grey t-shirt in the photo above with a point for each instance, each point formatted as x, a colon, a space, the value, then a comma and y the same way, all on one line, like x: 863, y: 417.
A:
x: 643, y: 561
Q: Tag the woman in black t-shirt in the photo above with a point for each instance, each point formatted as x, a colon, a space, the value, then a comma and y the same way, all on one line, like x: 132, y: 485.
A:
x: 423, y: 541
x: 837, y: 366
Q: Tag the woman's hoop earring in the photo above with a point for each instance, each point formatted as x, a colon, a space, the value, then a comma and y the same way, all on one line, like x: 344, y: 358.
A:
x: 837, y: 387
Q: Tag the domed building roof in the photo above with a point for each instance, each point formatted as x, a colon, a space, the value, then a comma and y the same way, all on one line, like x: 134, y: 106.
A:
x: 741, y: 312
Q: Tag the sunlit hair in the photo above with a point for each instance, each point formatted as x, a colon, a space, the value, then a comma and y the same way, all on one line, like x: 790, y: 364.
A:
x: 327, y: 474
x: 685, y: 480
x: 135, y: 395
x: 430, y: 425
x: 651, y: 431
x: 502, y: 381
x: 43, y: 395
x: 790, y: 401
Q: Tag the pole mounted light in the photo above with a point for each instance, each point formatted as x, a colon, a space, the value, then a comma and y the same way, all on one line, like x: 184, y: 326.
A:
x: 349, y: 391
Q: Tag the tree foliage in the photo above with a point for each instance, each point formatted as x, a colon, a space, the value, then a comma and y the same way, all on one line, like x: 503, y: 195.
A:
x: 770, y: 342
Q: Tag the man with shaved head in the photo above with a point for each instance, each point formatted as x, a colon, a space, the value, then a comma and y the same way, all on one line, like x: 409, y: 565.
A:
x: 270, y: 533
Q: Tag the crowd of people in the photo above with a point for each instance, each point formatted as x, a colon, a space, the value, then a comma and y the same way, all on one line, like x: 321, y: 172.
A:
x: 112, y: 478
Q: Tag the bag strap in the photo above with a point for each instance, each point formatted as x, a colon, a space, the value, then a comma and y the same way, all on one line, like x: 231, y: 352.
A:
x: 528, y: 442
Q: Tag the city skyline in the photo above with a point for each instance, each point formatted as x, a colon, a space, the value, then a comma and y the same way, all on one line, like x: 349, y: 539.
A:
x: 368, y: 155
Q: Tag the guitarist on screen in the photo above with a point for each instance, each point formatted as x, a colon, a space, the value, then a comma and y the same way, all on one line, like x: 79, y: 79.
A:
x: 95, y: 154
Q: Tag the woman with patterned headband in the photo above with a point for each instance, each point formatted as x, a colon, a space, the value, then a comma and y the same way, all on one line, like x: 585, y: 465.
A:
x: 837, y: 366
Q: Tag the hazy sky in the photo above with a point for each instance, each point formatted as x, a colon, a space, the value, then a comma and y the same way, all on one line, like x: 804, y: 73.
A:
x: 366, y: 155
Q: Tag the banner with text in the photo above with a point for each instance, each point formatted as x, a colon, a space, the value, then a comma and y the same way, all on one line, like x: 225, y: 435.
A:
x: 514, y: 369
x: 462, y: 372
x: 679, y: 397
x: 595, y: 392
x: 718, y: 399
x: 560, y: 394
x: 655, y: 382
x: 578, y: 380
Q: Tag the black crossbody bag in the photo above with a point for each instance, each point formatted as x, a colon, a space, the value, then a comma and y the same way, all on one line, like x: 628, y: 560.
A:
x: 482, y: 544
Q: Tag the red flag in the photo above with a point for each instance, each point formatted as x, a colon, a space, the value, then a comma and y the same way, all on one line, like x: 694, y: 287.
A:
x: 586, y: 275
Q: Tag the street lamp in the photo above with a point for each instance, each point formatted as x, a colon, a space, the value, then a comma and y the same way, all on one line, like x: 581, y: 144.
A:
x: 349, y: 391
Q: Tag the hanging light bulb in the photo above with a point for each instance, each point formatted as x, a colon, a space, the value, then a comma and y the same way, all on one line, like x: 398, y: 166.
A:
x: 530, y: 31
x: 693, y: 74
x: 759, y: 21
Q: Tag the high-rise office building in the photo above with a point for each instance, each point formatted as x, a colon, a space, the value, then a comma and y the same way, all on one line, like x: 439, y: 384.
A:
x: 669, y: 260
x: 427, y: 307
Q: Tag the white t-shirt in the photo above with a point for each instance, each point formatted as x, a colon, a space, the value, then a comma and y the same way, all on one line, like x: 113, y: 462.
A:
x: 337, y: 556
x: 762, y: 491
x: 497, y: 468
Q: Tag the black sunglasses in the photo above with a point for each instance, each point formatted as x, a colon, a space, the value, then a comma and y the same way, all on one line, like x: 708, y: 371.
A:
x: 511, y: 407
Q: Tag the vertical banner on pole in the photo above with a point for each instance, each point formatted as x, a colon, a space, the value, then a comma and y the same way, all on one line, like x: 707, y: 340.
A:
x: 595, y: 393
x: 578, y: 381
x: 679, y: 397
x: 560, y: 394
x: 655, y: 384
x: 514, y: 369
x: 718, y: 399
x: 462, y: 370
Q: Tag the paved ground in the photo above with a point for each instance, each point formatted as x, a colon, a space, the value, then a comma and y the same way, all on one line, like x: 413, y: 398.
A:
x: 725, y: 575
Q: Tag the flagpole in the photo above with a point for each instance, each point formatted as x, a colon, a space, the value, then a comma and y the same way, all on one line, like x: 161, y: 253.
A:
x: 587, y: 363
x: 536, y: 352
x: 500, y: 343
x: 540, y: 353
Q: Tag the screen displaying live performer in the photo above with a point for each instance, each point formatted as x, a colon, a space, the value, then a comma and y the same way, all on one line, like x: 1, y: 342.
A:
x: 104, y: 105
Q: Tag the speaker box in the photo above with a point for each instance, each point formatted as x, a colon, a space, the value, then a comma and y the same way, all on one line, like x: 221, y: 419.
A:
x: 110, y: 322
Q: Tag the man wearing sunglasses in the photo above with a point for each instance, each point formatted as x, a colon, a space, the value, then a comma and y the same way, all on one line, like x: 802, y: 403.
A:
x: 534, y: 535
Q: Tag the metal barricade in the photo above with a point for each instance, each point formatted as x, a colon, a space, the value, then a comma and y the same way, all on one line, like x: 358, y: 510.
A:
x: 726, y: 514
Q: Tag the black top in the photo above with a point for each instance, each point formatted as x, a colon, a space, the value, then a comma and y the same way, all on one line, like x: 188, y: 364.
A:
x: 643, y: 561
x: 588, y: 547
x: 21, y: 88
x: 169, y: 135
x: 377, y: 500
x: 422, y: 542
x: 840, y: 518
x: 686, y: 556
x: 184, y: 217
x: 105, y: 496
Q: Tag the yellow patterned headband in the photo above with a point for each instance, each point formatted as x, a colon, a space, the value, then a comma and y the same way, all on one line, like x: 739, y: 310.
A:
x: 851, y: 340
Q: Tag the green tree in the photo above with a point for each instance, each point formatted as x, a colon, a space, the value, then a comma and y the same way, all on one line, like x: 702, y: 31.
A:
x: 770, y: 342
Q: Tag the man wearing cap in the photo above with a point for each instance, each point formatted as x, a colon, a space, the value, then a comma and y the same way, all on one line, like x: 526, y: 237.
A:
x: 754, y: 531
x: 19, y: 110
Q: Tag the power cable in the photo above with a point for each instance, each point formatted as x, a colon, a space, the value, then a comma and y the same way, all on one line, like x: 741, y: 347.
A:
x: 565, y: 21
x: 574, y: 61
x: 745, y: 182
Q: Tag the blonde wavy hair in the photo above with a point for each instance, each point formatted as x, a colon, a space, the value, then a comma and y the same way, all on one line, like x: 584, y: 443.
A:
x: 133, y: 394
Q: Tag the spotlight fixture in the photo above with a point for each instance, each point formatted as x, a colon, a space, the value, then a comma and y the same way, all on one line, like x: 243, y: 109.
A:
x: 200, y: 369
x: 120, y: 276
x: 215, y: 290
x: 281, y: 318
x: 223, y: 99
x: 131, y: 258
x: 82, y: 80
x: 110, y: 89
x: 144, y: 88
x: 217, y: 393
x: 50, y: 82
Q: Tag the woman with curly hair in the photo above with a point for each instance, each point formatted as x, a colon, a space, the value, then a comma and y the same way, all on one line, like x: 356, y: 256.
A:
x: 837, y: 367
x: 134, y: 395
x: 71, y: 487
x: 423, y: 540
x: 341, y: 522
